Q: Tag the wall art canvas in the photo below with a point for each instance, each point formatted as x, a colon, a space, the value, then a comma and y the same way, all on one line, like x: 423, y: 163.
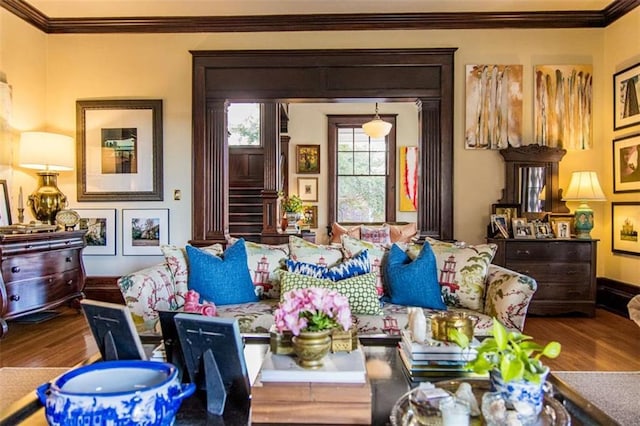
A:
x: 100, y: 225
x: 563, y: 106
x: 493, y: 106
x: 408, y: 178
x: 144, y: 231
x: 625, y: 228
x: 626, y: 164
x: 626, y: 97
x: 308, y: 158
x: 5, y: 207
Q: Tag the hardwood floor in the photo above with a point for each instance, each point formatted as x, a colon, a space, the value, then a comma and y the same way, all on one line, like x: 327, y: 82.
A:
x: 607, y: 342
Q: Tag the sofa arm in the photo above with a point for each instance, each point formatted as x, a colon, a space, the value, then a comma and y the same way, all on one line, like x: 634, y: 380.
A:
x: 148, y: 290
x: 508, y: 295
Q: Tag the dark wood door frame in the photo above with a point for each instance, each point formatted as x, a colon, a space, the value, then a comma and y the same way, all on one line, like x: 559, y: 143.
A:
x: 424, y: 76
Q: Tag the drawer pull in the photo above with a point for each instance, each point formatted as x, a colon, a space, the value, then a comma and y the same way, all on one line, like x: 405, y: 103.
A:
x: 50, y: 280
x: 28, y: 246
x: 68, y: 259
x: 67, y: 242
x: 15, y: 269
x: 70, y: 282
x: 14, y: 297
x: 525, y: 252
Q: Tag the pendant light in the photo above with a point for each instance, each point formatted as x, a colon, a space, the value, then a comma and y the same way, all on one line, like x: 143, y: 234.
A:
x: 376, y: 128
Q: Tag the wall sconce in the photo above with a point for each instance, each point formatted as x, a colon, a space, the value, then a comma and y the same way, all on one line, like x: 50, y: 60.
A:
x: 50, y: 153
x: 377, y: 128
x: 584, y: 186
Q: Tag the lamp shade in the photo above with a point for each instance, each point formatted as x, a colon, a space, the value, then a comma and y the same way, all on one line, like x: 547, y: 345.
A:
x: 584, y: 186
x: 377, y: 128
x: 46, y: 151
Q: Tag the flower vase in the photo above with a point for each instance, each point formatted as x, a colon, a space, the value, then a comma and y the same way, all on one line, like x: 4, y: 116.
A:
x: 292, y: 218
x: 525, y: 397
x: 284, y: 223
x: 311, y: 347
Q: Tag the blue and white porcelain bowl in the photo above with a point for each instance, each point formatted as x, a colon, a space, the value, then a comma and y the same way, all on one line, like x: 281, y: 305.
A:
x: 115, y: 392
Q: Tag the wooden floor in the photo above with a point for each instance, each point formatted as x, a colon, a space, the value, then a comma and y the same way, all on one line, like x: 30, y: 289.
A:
x: 607, y: 342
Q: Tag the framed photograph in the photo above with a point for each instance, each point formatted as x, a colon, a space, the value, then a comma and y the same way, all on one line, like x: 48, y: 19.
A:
x: 624, y: 229
x: 626, y: 164
x: 308, y: 158
x: 524, y: 231
x: 543, y: 230
x: 119, y: 150
x: 562, y: 229
x: 626, y: 97
x: 100, y: 225
x: 144, y: 231
x: 518, y: 221
x: 5, y: 207
x: 308, y: 189
x: 499, y: 224
x: 310, y: 216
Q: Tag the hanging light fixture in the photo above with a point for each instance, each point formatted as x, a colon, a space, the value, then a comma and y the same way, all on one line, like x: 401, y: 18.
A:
x: 376, y: 128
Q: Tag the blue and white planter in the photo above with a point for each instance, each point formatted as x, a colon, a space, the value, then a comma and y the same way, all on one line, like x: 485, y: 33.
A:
x: 115, y: 392
x: 522, y: 395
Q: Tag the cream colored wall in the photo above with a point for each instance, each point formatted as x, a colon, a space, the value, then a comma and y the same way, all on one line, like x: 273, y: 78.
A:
x: 159, y: 66
x: 622, y: 49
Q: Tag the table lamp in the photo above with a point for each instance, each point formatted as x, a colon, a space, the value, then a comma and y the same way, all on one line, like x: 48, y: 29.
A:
x: 583, y: 187
x: 50, y: 153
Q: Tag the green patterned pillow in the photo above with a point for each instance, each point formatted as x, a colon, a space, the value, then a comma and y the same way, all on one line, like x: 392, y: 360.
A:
x: 462, y: 271
x: 304, y: 251
x: 377, y: 256
x: 360, y: 290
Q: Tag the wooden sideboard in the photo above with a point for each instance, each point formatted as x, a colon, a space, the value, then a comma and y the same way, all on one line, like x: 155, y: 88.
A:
x: 39, y: 271
x: 565, y: 271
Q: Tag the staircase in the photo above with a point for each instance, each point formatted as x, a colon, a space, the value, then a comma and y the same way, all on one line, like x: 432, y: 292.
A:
x: 245, y: 212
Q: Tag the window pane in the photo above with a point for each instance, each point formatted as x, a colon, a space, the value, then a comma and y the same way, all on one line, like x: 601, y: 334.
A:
x: 361, y: 163
x: 345, y: 139
x: 361, y: 199
x: 345, y: 163
x: 378, y: 163
x: 243, y: 122
x: 378, y: 145
x: 345, y: 145
x: 361, y: 146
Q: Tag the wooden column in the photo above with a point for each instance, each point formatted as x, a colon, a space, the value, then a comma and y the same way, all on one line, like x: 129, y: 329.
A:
x: 270, y: 138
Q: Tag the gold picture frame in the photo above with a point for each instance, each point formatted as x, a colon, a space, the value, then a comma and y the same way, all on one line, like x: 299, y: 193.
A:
x: 308, y: 159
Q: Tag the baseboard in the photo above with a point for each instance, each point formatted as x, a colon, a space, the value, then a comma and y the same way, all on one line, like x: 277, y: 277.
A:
x: 614, y: 295
x: 104, y: 289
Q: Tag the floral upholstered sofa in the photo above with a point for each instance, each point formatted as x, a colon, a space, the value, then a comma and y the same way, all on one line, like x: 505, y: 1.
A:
x: 466, y: 281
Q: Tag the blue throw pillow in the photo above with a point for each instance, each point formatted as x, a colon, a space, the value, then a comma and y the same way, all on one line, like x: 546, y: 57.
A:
x: 357, y: 265
x: 413, y: 283
x: 222, y: 280
x: 304, y: 268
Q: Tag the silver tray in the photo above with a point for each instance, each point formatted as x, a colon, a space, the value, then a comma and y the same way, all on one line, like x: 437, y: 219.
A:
x: 553, y: 413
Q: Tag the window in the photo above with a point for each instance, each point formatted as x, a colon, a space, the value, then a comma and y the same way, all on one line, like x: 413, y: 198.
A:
x: 243, y: 124
x: 361, y: 187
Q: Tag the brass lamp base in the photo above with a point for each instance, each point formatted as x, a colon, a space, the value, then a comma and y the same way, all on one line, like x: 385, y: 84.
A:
x: 47, y: 200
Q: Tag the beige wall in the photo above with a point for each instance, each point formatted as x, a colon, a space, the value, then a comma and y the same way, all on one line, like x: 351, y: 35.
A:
x: 159, y: 66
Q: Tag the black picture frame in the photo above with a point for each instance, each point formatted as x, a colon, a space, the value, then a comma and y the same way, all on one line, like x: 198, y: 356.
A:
x: 5, y: 207
x: 622, y: 81
x: 626, y: 177
x: 625, y: 226
x: 104, y: 169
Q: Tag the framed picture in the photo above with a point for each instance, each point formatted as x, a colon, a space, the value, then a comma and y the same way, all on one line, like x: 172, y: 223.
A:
x: 625, y: 226
x: 310, y: 216
x: 626, y: 97
x: 144, y: 231
x: 562, y: 229
x: 511, y: 211
x: 626, y: 164
x: 5, y: 207
x: 524, y: 231
x: 119, y: 150
x: 308, y: 189
x: 101, y: 231
x: 543, y: 230
x: 499, y: 224
x: 308, y: 158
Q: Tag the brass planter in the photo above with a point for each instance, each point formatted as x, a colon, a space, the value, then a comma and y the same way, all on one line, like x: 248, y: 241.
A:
x: 311, y: 347
x: 442, y: 322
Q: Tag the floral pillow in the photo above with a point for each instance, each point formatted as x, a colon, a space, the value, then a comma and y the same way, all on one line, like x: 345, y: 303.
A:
x: 264, y: 262
x: 376, y: 234
x: 377, y: 256
x: 462, y: 271
x: 176, y: 259
x: 303, y: 251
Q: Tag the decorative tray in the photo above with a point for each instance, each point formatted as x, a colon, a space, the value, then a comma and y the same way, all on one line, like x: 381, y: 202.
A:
x: 553, y: 412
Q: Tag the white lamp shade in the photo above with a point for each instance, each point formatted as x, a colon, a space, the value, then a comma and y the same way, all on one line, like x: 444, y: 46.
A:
x: 46, y: 151
x: 376, y: 128
x: 584, y: 186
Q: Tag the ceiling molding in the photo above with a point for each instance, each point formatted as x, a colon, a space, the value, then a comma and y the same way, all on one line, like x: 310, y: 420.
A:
x: 321, y: 22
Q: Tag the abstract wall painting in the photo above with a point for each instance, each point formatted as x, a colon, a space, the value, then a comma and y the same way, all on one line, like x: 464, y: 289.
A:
x: 626, y: 97
x: 493, y: 106
x: 408, y: 178
x: 563, y: 106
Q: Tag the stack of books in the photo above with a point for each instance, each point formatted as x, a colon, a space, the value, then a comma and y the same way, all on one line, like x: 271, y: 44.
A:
x: 435, y: 359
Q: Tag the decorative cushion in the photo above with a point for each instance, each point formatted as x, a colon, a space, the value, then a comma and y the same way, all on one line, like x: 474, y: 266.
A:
x: 403, y: 233
x: 352, y: 267
x: 304, y: 268
x: 376, y: 234
x: 176, y: 258
x: 360, y: 290
x: 264, y: 261
x: 462, y: 271
x: 337, y: 231
x: 304, y: 251
x: 377, y: 256
x: 413, y: 283
x: 221, y: 280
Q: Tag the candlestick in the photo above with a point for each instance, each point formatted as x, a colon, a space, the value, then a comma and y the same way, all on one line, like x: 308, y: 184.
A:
x: 20, y: 215
x: 20, y: 200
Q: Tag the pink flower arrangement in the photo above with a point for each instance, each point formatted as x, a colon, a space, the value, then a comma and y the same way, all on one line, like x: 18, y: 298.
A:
x: 312, y: 309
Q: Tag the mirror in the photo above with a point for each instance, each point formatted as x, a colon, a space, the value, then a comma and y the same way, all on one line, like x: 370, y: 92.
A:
x: 531, y: 178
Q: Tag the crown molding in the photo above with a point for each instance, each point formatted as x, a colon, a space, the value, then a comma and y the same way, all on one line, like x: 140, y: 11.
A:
x: 321, y: 22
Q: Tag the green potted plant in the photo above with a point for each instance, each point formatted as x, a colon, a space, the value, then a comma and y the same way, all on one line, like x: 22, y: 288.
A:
x: 513, y: 362
x: 292, y: 206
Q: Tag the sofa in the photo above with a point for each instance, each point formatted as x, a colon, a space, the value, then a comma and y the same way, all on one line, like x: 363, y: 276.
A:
x: 467, y: 282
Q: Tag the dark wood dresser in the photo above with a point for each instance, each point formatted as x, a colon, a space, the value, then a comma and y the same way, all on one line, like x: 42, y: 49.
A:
x: 565, y: 271
x: 39, y: 271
